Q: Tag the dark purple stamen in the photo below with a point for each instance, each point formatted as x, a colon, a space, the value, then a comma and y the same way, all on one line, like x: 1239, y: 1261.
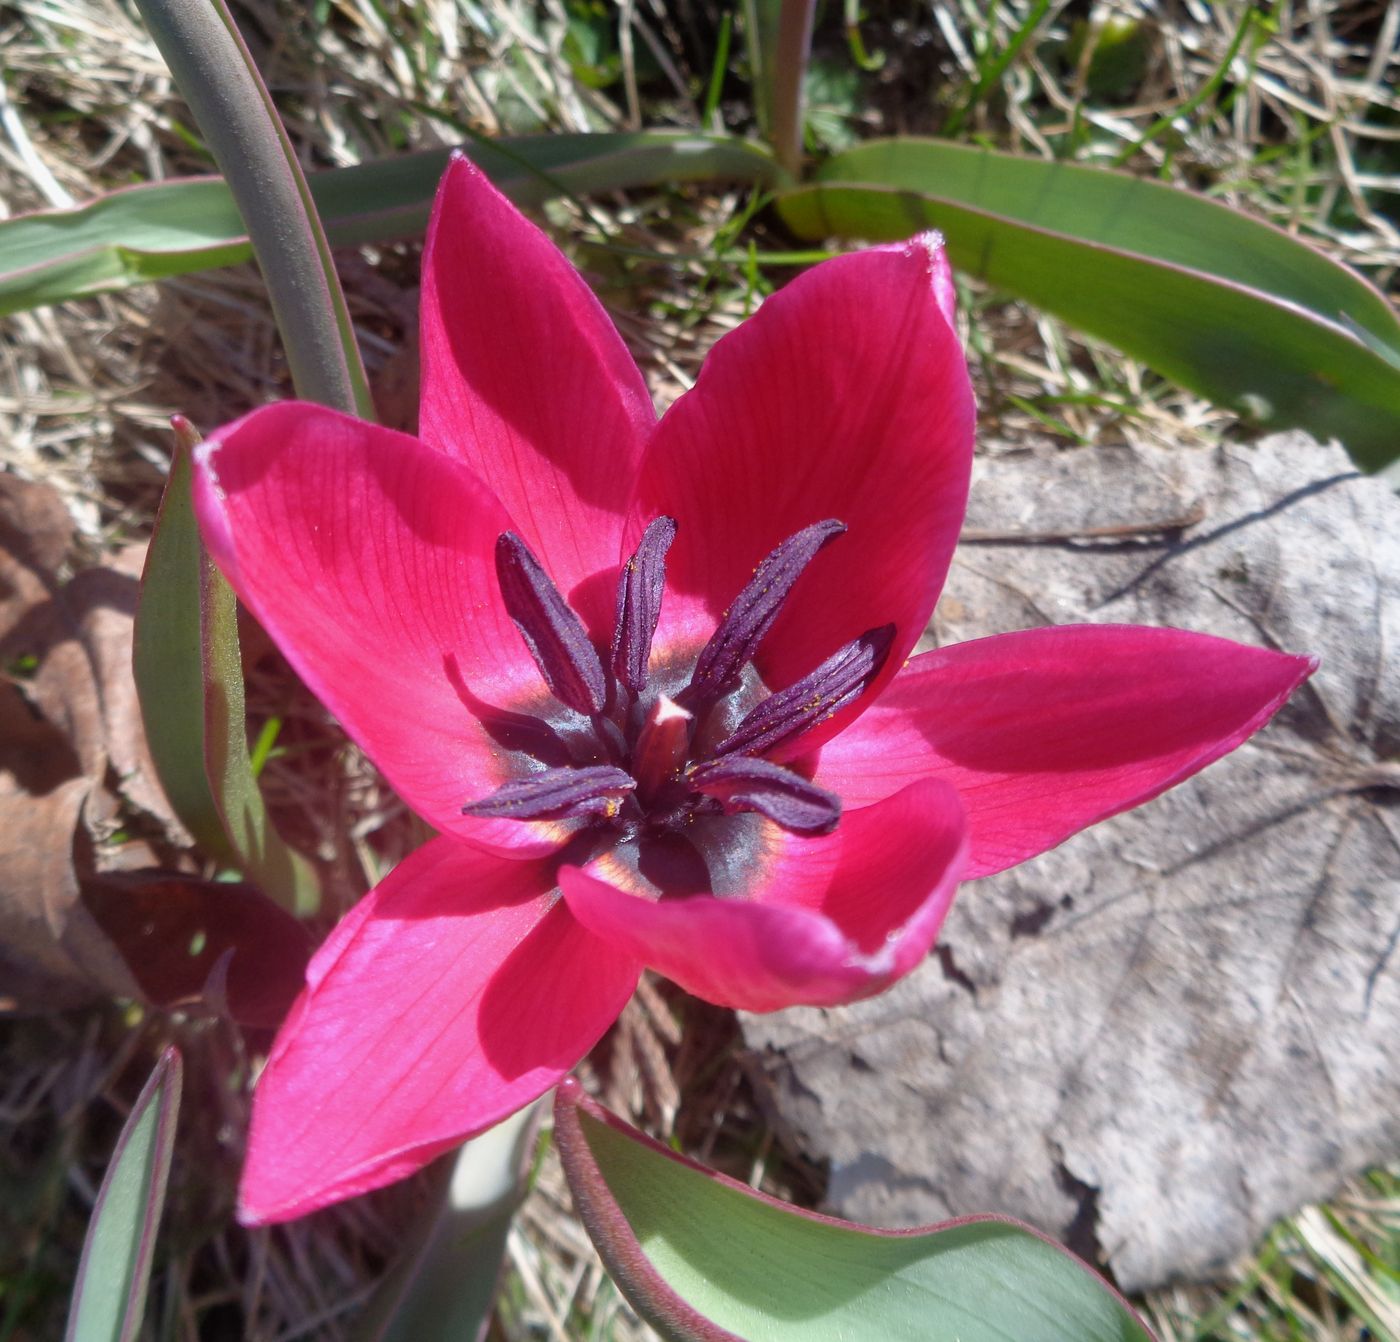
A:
x: 838, y: 681
x: 746, y: 784
x: 752, y: 612
x: 639, y: 603
x: 557, y: 794
x: 644, y: 773
x: 553, y: 633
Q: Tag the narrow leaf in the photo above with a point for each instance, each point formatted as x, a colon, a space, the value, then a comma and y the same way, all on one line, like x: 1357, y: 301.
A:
x: 190, y: 684
x: 110, y: 1295
x: 153, y: 232
x: 218, y: 78
x: 703, y: 1257
x: 1228, y: 306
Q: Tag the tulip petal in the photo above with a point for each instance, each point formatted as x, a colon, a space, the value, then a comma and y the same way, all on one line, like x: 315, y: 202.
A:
x: 833, y: 919
x: 457, y: 991
x: 845, y: 396
x: 1047, y: 731
x: 526, y: 381
x: 370, y: 559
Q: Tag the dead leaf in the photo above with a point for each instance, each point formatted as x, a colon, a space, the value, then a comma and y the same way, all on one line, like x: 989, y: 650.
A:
x: 52, y: 954
x: 101, y: 604
x: 35, y: 533
x: 1184, y: 1023
x: 67, y: 709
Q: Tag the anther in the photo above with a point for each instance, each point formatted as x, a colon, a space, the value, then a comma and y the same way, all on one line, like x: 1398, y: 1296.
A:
x: 553, y: 633
x: 840, y: 680
x: 639, y: 603
x: 557, y: 794
x: 786, y: 798
x: 753, y: 611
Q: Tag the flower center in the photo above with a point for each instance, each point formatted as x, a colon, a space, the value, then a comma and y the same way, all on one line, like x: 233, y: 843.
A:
x: 659, y: 757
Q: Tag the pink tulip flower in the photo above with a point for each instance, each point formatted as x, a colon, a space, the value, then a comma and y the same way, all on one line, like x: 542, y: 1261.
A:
x: 652, y: 684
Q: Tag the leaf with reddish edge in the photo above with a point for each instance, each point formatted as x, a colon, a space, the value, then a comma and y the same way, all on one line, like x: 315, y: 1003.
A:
x: 174, y: 931
x: 1229, y: 306
x: 189, y: 678
x: 166, y: 657
x: 110, y: 1294
x: 701, y: 1256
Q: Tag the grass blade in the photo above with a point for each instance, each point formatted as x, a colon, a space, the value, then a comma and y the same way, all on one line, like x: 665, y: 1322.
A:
x: 144, y: 233
x: 1230, y: 307
x: 110, y: 1295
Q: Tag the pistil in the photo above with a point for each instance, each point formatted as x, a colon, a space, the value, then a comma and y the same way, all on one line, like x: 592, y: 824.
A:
x: 661, y: 746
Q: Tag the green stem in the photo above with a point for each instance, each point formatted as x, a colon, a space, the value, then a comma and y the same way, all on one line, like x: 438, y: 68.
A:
x: 218, y: 79
x: 788, y: 72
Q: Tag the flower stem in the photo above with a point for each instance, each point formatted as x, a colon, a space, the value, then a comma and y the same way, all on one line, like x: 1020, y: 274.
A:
x: 218, y: 79
x: 788, y: 73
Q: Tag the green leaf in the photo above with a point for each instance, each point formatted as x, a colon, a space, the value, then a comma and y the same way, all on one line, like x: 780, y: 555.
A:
x: 701, y: 1256
x: 1230, y: 307
x: 189, y: 679
x: 110, y: 1294
x: 444, y: 1287
x: 153, y: 232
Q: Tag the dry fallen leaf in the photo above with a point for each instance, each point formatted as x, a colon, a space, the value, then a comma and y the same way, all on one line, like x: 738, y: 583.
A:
x: 1185, y: 1022
x: 69, y: 725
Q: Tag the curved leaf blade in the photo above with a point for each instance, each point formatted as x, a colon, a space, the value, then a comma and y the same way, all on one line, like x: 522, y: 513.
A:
x: 703, y: 1257
x: 143, y: 233
x: 1230, y: 307
x: 110, y: 1295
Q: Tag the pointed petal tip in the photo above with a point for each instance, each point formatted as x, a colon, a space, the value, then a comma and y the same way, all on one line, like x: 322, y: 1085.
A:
x: 1047, y: 731
x: 940, y: 274
x: 932, y: 241
x: 462, y: 168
